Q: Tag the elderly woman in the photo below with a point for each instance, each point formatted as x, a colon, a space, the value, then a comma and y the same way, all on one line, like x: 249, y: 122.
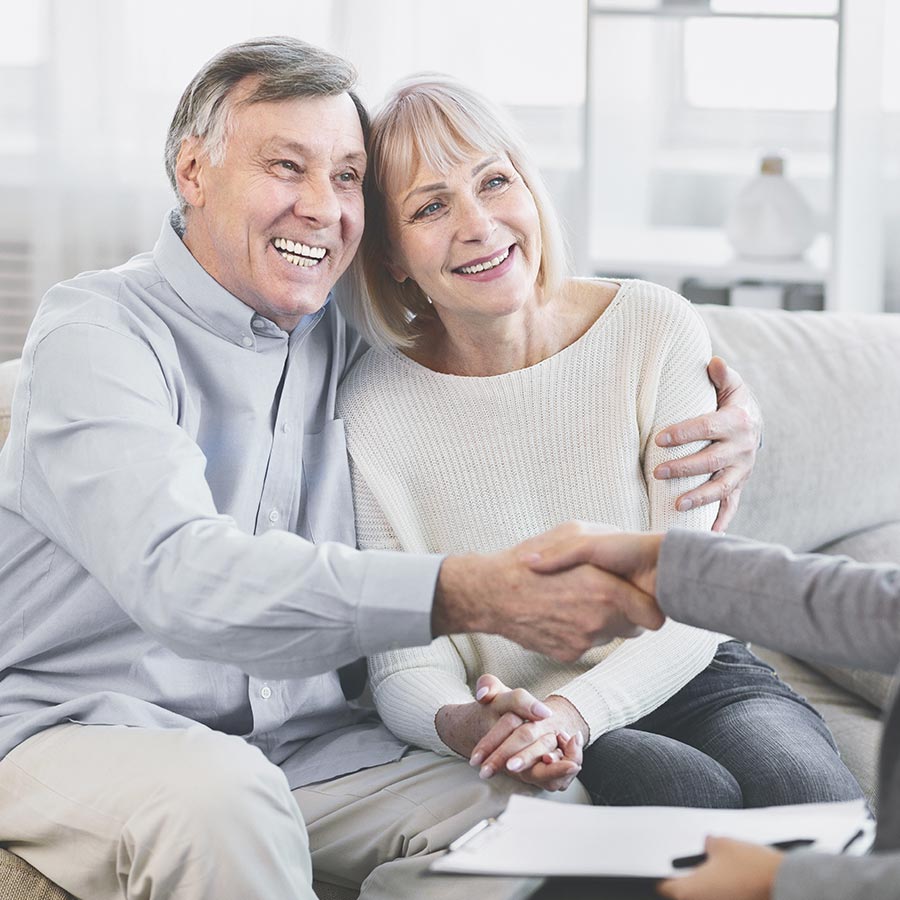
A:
x: 506, y: 398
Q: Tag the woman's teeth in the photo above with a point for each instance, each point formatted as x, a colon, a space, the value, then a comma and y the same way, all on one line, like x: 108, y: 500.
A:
x: 299, y: 254
x: 483, y: 267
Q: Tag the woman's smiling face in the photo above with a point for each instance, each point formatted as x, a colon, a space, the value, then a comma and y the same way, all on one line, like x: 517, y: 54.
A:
x: 469, y: 236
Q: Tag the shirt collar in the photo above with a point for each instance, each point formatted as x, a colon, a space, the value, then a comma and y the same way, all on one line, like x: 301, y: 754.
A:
x: 222, y: 312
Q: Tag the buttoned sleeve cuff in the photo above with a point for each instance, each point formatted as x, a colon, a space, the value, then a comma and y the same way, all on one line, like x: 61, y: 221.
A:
x: 397, y: 596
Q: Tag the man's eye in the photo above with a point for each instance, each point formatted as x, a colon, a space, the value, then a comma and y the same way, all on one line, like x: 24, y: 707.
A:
x: 287, y: 164
x: 350, y: 177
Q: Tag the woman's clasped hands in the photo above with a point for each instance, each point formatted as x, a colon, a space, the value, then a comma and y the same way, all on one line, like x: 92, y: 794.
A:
x: 510, y: 731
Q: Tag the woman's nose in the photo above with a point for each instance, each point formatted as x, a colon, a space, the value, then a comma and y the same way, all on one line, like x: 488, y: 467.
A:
x: 475, y: 222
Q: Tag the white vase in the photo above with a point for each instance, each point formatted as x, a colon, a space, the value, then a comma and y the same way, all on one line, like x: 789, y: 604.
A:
x: 770, y: 218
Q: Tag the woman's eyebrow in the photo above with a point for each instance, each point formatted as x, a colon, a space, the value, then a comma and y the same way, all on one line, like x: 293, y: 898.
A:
x: 442, y: 185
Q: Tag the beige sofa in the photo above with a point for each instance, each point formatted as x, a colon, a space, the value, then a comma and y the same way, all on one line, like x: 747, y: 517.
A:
x: 826, y: 479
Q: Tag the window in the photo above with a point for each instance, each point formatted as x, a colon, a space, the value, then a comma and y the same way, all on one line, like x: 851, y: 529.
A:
x: 760, y: 64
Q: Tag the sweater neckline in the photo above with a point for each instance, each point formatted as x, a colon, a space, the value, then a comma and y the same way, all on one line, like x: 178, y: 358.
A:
x: 614, y: 304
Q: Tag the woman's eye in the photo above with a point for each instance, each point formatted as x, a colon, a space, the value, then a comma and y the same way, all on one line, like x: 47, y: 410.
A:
x: 428, y: 210
x: 496, y: 181
x: 287, y: 164
x: 349, y: 177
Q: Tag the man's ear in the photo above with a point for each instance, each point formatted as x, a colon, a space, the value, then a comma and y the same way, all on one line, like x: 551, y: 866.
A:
x: 395, y: 271
x: 189, y: 171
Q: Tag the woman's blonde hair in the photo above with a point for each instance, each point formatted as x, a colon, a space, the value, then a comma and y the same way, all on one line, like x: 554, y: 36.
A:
x: 434, y: 120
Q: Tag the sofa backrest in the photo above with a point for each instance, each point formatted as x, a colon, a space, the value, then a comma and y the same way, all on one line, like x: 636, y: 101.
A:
x: 829, y: 387
x: 8, y: 373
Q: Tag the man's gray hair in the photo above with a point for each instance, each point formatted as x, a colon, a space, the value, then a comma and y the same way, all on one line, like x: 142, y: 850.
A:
x: 285, y: 68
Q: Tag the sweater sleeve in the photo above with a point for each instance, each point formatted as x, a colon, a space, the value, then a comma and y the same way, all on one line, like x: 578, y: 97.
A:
x: 409, y: 685
x: 642, y: 674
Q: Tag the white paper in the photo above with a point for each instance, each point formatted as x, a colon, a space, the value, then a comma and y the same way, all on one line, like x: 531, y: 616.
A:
x: 545, y: 837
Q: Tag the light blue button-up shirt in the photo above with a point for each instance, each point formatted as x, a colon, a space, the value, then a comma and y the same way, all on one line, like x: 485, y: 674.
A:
x: 176, y: 523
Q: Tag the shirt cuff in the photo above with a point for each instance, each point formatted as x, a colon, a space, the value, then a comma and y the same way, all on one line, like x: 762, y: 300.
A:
x: 397, y: 595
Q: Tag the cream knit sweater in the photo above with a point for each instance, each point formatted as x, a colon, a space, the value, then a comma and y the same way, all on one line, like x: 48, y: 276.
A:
x: 452, y: 464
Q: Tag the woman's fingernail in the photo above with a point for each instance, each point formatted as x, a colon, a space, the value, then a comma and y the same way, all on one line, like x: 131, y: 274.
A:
x: 685, y: 505
x: 514, y: 764
x: 481, y: 692
x: 486, y: 772
x: 530, y: 558
x: 565, y: 735
x: 663, y: 472
x: 579, y: 737
x: 541, y: 709
x: 476, y: 759
x: 664, y: 440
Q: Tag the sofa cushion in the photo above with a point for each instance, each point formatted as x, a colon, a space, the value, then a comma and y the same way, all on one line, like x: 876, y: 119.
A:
x: 19, y: 881
x: 828, y: 386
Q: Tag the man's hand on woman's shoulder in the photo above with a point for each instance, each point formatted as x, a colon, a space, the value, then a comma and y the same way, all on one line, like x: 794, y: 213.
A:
x: 734, y: 431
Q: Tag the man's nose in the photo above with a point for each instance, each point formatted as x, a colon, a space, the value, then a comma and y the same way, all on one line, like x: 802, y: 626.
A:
x: 318, y: 201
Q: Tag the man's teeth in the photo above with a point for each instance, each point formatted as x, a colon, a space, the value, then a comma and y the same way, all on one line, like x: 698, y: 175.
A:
x: 483, y: 267
x: 299, y: 254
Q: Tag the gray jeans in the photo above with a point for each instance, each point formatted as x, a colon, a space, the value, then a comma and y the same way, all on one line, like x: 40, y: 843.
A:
x: 735, y: 736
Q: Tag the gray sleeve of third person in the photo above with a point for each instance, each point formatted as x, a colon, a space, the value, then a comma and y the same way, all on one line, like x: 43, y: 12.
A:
x: 817, y: 876
x: 823, y: 608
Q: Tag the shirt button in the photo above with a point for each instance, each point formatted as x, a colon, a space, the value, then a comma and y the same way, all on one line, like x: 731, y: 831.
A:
x: 265, y: 692
x: 247, y: 341
x: 257, y: 324
x: 286, y: 428
x: 274, y: 516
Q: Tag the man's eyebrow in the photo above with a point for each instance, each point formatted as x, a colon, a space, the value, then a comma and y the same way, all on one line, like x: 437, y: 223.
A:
x: 441, y: 185
x: 285, y: 145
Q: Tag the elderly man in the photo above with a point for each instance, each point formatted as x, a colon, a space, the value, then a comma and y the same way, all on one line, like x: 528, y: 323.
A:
x: 177, y: 578
x: 819, y: 607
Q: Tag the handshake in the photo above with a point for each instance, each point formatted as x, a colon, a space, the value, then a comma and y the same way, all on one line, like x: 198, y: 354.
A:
x: 560, y: 593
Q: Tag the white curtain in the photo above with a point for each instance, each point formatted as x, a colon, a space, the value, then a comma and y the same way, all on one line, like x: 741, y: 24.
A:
x: 113, y: 71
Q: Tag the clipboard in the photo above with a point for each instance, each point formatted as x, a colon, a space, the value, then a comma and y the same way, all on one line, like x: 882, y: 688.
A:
x: 545, y: 838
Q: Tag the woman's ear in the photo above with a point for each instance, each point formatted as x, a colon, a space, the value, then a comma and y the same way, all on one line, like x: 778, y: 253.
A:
x: 395, y: 271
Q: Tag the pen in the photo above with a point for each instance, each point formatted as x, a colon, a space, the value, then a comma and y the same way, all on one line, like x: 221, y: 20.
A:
x: 468, y: 835
x: 860, y: 833
x: 685, y: 862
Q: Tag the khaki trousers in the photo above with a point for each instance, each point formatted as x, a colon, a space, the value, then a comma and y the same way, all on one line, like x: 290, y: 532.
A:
x: 111, y: 812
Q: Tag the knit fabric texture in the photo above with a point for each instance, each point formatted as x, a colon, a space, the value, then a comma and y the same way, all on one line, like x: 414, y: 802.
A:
x: 455, y: 464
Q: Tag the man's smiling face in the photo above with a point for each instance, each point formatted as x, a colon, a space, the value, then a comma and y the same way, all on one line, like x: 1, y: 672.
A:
x: 280, y: 219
